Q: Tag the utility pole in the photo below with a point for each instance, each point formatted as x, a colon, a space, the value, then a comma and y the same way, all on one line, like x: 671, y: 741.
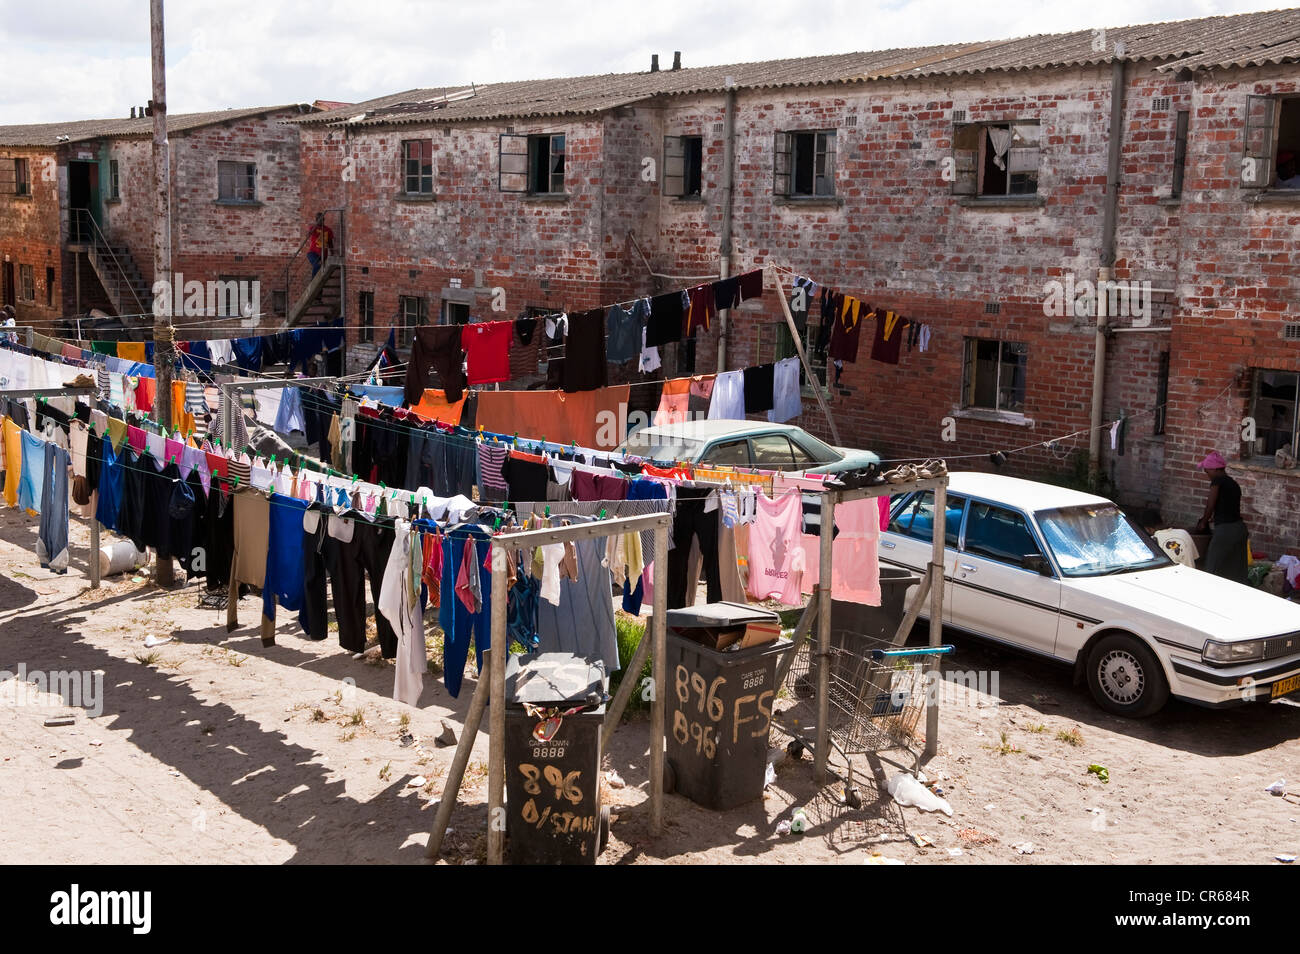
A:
x: 164, y: 348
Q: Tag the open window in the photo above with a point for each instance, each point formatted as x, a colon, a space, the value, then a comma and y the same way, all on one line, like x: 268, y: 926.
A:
x: 683, y: 166
x: 803, y: 164
x: 531, y: 164
x: 1273, y: 408
x: 414, y: 313
x: 995, y: 159
x: 997, y: 533
x: 993, y: 375
x: 13, y: 177
x: 1272, y: 147
x: 26, y: 283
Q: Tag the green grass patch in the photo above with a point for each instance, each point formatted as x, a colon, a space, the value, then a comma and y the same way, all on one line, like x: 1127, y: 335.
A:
x: 630, y: 631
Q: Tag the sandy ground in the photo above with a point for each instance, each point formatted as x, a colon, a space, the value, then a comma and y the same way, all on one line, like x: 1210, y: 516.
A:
x: 214, y: 749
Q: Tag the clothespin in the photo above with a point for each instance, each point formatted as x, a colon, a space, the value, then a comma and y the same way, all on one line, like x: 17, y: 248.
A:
x: 548, y: 510
x: 236, y: 481
x: 602, y: 513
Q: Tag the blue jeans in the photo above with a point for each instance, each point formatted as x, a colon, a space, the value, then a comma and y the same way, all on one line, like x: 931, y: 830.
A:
x: 315, y: 263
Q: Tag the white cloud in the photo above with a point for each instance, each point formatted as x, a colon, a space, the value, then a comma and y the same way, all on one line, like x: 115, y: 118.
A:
x: 91, y: 59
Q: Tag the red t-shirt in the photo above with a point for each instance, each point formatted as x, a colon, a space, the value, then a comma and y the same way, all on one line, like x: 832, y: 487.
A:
x: 487, y: 351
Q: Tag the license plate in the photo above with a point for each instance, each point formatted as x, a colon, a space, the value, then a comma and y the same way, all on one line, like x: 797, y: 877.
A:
x: 1284, y: 686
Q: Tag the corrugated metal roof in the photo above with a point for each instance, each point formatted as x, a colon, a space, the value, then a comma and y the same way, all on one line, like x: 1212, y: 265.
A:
x: 1242, y: 40
x: 54, y: 134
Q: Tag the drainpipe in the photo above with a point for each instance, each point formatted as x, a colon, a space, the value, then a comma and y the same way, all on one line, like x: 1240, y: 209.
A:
x: 1105, y: 271
x: 728, y: 192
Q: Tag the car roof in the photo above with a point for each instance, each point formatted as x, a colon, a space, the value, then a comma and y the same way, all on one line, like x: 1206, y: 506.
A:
x: 710, y: 430
x: 1026, y: 494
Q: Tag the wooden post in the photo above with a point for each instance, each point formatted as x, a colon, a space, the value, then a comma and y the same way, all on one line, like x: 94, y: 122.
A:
x: 803, y: 357
x: 451, y: 788
x: 658, y: 704
x: 94, y: 542
x: 824, y: 638
x: 936, y: 615
x: 163, y: 346
x: 497, y: 741
x: 914, y: 610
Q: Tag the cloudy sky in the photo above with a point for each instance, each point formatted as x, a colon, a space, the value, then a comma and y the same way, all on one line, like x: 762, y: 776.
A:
x: 84, y: 59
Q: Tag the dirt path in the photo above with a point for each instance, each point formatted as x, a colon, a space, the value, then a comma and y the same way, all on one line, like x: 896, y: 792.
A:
x: 213, y: 749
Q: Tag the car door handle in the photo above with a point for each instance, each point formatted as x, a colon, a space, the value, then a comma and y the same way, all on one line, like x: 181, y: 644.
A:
x: 967, y: 567
x: 888, y: 544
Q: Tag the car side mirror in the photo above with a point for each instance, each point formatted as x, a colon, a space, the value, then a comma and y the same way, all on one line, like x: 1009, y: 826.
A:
x: 1036, y: 563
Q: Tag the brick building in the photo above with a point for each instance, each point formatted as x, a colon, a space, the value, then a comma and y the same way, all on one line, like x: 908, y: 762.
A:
x: 950, y: 184
x: 76, y: 209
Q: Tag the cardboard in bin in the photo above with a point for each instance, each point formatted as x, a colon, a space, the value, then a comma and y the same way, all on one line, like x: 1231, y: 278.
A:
x: 551, y: 678
x: 723, y: 625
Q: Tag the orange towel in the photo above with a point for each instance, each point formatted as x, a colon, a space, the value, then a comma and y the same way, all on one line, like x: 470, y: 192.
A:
x: 434, y: 406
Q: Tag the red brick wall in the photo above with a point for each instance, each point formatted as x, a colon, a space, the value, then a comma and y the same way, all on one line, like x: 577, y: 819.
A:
x: 29, y: 233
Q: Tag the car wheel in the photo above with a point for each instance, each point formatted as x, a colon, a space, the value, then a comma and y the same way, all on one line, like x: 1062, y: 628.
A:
x: 1125, y: 677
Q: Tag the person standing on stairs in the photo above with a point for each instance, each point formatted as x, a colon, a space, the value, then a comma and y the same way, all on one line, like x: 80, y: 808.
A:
x: 320, y: 242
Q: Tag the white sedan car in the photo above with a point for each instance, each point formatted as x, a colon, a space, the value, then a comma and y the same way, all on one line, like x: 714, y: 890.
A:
x: 1067, y: 576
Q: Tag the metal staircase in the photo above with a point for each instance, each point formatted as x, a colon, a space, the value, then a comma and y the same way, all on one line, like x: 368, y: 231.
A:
x: 315, y: 298
x: 116, y: 270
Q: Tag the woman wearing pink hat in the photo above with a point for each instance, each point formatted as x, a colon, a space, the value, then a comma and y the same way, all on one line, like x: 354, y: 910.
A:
x: 1227, y: 556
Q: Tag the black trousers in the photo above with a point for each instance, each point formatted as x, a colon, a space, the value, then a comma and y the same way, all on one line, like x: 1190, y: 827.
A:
x: 349, y: 563
x: 219, y: 537
x: 314, y: 615
x: 690, y: 521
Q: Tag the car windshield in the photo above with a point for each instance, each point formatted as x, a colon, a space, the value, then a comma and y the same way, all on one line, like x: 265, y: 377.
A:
x: 822, y: 453
x: 1095, y: 540
x: 669, y: 446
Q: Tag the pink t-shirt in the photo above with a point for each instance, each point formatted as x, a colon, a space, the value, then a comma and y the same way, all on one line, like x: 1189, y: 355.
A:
x: 855, y: 554
x: 776, y: 560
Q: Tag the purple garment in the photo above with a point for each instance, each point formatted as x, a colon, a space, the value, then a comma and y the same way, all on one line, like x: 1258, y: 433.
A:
x: 585, y: 485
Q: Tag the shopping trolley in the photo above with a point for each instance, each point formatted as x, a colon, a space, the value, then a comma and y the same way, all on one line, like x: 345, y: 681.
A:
x: 877, y: 695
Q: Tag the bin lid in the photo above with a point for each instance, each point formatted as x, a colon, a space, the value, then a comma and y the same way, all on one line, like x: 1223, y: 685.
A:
x: 554, y: 677
x: 720, y: 615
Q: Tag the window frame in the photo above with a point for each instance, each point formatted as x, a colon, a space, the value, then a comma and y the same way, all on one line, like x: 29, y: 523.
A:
x: 534, y: 161
x: 1031, y: 531
x: 227, y: 175
x: 405, y: 327
x: 912, y: 501
x: 1182, y: 122
x: 970, y: 161
x: 1257, y: 375
x: 18, y: 182
x: 791, y: 149
x: 423, y: 166
x: 365, y: 317
x: 970, y: 367
x: 683, y: 165
x: 114, y: 181
x: 788, y: 465
x: 26, y: 290
x: 706, y: 460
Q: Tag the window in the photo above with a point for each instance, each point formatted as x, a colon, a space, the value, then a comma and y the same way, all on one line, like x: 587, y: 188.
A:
x: 279, y: 301
x: 995, y: 159
x: 916, y: 518
x: 772, y: 451
x: 49, y: 287
x: 455, y: 313
x: 26, y: 283
x: 417, y: 165
x: 1272, y: 143
x: 236, y: 182
x: 1274, y: 409
x: 13, y: 177
x: 1000, y: 534
x: 1162, y: 393
x: 994, y: 375
x: 729, y: 454
x: 1180, y: 152
x: 683, y: 166
x: 804, y: 164
x: 366, y: 316
x: 414, y: 312
x: 532, y: 164
x: 114, y: 181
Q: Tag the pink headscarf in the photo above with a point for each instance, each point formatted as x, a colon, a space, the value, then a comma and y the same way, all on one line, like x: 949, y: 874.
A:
x: 1213, y: 461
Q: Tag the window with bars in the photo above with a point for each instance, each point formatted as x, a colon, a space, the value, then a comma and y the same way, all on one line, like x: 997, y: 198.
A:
x: 236, y: 181
x: 413, y: 312
x: 995, y: 159
x: 114, y: 181
x: 417, y: 166
x: 366, y: 316
x: 26, y: 283
x: 13, y: 177
x: 993, y: 375
x: 804, y: 164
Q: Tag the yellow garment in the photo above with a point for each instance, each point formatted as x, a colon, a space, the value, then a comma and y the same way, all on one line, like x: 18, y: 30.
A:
x: 117, y: 433
x: 722, y: 474
x: 131, y: 351
x: 13, y: 460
